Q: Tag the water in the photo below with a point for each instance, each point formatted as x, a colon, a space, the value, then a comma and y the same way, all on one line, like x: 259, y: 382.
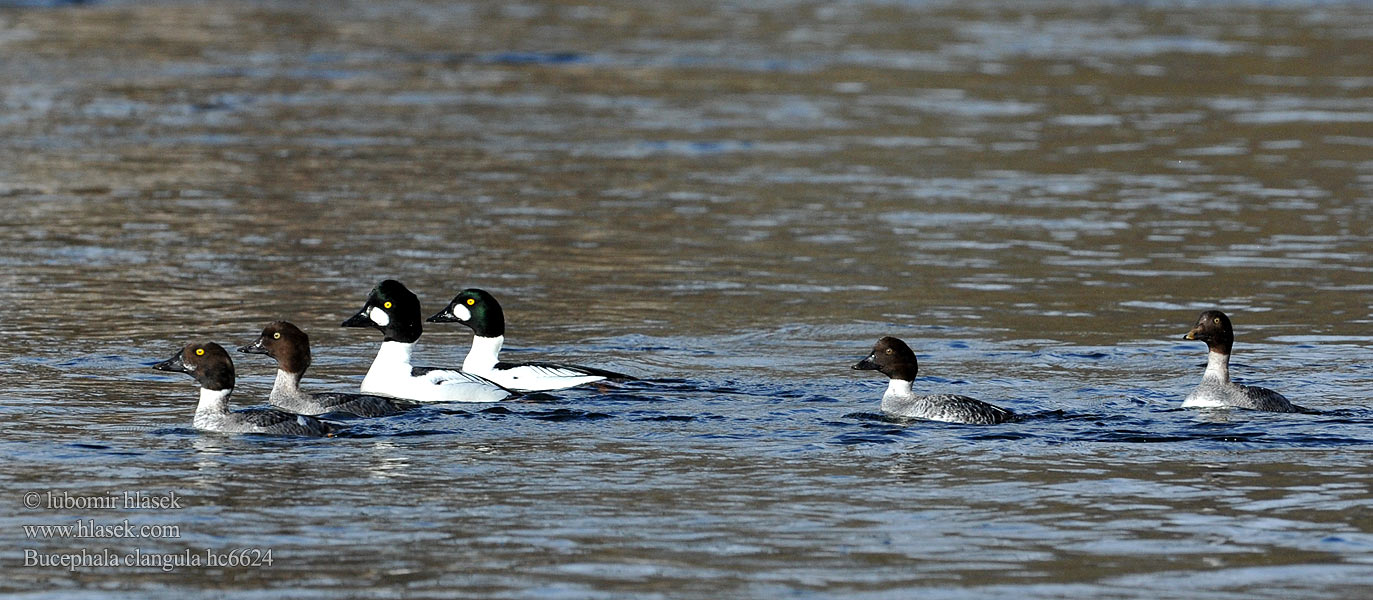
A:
x: 732, y: 202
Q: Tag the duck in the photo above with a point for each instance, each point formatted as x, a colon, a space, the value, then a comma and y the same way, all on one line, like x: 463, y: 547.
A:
x: 290, y: 346
x: 893, y: 358
x: 478, y: 310
x: 394, y: 310
x: 1216, y: 390
x: 212, y: 368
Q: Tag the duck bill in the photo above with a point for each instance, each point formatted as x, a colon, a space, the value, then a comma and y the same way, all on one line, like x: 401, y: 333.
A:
x: 865, y: 365
x: 359, y: 320
x: 1195, y: 334
x: 172, y: 364
x: 444, y: 316
x: 253, y: 348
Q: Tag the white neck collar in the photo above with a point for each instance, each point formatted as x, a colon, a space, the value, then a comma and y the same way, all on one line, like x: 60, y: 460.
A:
x: 214, y: 400
x: 484, y: 355
x: 394, y: 355
x: 286, y: 384
x: 1217, y: 367
x: 899, y: 387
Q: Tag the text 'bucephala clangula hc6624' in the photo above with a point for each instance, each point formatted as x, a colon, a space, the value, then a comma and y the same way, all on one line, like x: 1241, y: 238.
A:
x: 481, y: 312
x: 1216, y: 389
x: 893, y: 358
x: 212, y: 368
x: 395, y: 311
x: 291, y: 348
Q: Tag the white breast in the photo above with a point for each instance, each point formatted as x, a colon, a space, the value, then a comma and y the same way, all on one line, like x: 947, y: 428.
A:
x: 391, y: 375
x: 1200, y: 400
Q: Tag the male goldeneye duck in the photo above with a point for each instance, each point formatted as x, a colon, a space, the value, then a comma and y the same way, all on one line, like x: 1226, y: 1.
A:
x: 291, y: 348
x: 211, y: 366
x: 893, y: 358
x: 479, y: 311
x: 395, y: 311
x: 1216, y: 390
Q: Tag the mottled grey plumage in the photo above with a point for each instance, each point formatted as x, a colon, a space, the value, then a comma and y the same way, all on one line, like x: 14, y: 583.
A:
x: 893, y: 358
x: 1216, y: 390
x: 1219, y: 393
x: 950, y: 408
x: 323, y: 403
x: 256, y: 420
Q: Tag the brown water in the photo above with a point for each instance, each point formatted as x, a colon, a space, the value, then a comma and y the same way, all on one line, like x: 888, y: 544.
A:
x: 731, y: 201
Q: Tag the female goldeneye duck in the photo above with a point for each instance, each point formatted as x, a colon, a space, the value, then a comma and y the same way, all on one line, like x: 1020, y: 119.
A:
x: 893, y: 358
x: 291, y: 348
x: 1216, y: 390
x: 395, y: 311
x: 481, y: 312
x: 212, y: 368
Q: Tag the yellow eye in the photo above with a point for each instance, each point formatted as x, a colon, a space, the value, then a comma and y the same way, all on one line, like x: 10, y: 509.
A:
x: 276, y: 336
x: 888, y: 350
x: 386, y: 304
x: 200, y: 352
x: 1218, y: 320
x: 471, y: 301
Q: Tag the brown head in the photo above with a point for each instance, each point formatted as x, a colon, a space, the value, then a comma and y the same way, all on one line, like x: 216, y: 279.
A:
x: 284, y: 342
x: 1213, y: 327
x: 891, y: 357
x: 207, y: 362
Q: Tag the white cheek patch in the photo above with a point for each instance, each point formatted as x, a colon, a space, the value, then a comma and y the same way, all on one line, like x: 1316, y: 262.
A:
x: 461, y: 313
x: 379, y: 317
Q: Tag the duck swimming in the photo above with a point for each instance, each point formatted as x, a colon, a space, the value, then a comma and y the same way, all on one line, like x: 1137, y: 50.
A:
x: 1216, y: 390
x: 479, y: 310
x: 893, y: 358
x: 212, y: 368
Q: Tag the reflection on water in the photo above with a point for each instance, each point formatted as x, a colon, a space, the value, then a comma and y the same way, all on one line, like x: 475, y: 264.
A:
x: 731, y: 201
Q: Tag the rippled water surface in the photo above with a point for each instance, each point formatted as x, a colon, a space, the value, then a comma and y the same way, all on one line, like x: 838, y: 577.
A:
x: 731, y: 201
